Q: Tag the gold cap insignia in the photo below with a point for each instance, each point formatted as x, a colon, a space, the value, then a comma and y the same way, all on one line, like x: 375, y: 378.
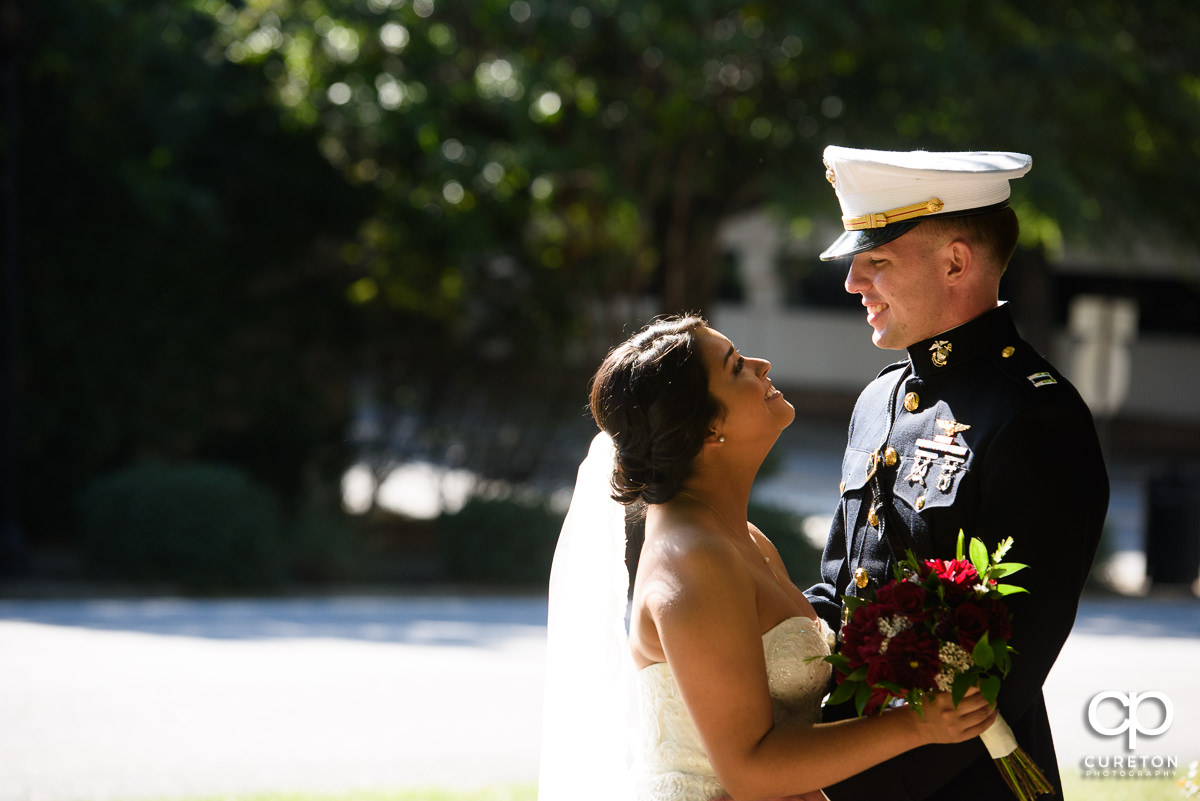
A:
x: 830, y: 175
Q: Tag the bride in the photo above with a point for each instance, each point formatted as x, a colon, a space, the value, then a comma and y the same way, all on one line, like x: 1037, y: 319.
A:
x: 706, y: 692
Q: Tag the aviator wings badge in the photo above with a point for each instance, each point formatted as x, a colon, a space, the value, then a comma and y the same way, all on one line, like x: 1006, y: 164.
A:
x: 952, y: 428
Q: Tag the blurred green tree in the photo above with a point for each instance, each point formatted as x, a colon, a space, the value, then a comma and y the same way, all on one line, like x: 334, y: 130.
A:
x: 182, y: 287
x: 231, y: 206
x: 591, y: 148
x: 536, y: 159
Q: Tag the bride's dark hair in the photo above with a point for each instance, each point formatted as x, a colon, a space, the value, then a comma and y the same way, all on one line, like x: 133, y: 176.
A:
x: 651, y: 396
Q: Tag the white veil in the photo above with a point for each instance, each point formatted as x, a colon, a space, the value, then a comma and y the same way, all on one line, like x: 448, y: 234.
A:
x: 589, y: 694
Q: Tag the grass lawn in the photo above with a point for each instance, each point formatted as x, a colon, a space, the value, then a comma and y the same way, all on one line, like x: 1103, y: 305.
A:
x: 1074, y: 789
x: 508, y: 792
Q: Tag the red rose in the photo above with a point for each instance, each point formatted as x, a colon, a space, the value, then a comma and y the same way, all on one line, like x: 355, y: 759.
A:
x: 860, y: 636
x: 906, y: 598
x: 973, y: 621
x: 999, y: 619
x: 883, y: 604
x: 865, y: 616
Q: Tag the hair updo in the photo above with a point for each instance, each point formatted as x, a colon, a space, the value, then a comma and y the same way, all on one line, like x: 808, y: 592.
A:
x: 651, y: 396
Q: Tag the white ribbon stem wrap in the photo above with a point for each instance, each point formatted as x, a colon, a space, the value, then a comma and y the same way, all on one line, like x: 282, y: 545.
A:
x: 999, y: 739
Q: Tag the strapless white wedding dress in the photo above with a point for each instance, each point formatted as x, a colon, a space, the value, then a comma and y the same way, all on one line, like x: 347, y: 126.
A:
x: 673, y: 765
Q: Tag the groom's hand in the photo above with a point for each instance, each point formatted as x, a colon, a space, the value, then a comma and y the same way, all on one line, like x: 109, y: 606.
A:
x: 942, y: 722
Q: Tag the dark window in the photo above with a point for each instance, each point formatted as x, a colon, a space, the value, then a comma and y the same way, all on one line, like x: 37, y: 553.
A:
x: 730, y: 285
x: 1165, y: 306
x: 809, y: 282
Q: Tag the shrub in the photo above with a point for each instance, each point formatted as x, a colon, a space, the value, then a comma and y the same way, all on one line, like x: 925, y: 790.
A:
x: 500, y: 541
x: 207, y: 527
x: 325, y: 545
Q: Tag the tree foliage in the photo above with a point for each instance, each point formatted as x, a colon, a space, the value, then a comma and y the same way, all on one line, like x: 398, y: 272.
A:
x: 599, y: 144
x: 230, y: 206
x: 181, y: 287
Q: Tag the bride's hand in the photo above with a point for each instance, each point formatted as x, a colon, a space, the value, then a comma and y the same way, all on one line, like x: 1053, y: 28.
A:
x: 943, y: 723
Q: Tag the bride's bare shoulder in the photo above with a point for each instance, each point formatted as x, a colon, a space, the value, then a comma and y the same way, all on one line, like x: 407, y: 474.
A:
x: 686, y: 544
x: 683, y: 557
x: 684, y: 571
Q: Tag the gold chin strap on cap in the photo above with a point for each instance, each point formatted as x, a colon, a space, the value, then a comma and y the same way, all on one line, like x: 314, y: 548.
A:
x: 880, y: 219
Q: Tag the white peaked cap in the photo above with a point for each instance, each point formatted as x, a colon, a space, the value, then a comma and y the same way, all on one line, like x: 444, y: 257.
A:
x: 884, y: 194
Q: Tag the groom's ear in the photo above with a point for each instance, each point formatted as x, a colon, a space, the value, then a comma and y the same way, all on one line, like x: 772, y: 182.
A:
x: 959, y: 257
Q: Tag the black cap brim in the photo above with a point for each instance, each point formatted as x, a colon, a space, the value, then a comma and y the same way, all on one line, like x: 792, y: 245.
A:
x: 851, y: 242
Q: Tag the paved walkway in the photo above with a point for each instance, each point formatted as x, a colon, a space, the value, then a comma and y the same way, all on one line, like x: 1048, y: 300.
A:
x: 133, y: 699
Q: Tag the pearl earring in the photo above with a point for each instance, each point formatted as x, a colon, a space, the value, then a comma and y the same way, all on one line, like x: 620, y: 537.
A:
x: 721, y: 438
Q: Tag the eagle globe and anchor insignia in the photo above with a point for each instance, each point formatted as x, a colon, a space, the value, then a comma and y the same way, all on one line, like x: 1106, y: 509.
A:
x: 941, y: 352
x: 941, y: 449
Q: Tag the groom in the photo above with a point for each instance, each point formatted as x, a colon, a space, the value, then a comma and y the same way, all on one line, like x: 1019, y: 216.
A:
x: 973, y: 430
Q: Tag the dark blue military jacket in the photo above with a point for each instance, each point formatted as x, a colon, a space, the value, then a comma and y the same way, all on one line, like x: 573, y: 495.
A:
x: 975, y: 431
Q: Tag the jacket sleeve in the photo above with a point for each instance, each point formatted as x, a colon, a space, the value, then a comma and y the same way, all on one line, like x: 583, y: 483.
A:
x: 1043, y: 482
x: 1046, y: 487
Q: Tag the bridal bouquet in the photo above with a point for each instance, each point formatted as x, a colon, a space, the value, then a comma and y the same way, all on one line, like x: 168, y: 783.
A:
x: 939, y: 625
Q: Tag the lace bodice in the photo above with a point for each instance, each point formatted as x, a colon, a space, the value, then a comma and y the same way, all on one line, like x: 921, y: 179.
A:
x: 673, y: 765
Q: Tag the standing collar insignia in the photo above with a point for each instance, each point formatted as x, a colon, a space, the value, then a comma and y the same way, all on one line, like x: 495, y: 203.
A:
x: 941, y: 352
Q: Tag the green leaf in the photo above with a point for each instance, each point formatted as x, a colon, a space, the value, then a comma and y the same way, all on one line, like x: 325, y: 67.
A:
x: 860, y: 674
x: 839, y: 661
x: 958, y: 551
x: 1000, y: 649
x: 860, y: 697
x: 990, y: 687
x: 852, y: 603
x: 843, y: 693
x: 1005, y: 569
x: 1009, y: 589
x: 962, y: 683
x: 979, y: 555
x: 983, y: 655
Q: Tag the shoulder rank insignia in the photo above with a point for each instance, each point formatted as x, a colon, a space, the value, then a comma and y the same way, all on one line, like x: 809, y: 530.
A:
x: 941, y: 352
x: 1042, y: 379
